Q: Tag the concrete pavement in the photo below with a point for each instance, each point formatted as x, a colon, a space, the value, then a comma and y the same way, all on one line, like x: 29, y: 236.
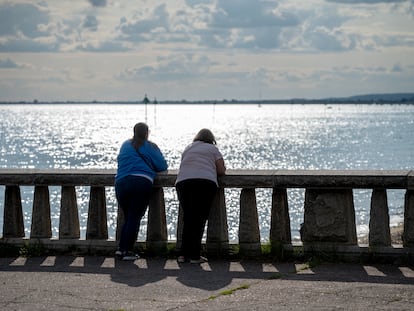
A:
x: 103, y: 283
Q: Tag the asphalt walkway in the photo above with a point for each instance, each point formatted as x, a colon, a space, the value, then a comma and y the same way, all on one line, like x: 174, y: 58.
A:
x: 103, y: 283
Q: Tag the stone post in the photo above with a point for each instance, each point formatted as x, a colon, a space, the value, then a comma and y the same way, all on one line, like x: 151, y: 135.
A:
x: 379, y: 221
x: 180, y: 224
x: 41, y: 222
x: 97, y: 227
x: 408, y: 235
x: 157, y: 234
x: 69, y: 217
x: 280, y: 221
x: 217, y: 230
x: 249, y: 233
x: 13, y: 225
x: 329, y: 217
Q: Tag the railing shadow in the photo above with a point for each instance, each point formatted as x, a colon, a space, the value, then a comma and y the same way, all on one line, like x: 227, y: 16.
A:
x: 211, y: 276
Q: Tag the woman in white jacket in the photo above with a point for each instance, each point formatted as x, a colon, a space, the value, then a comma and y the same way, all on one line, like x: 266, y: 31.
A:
x: 196, y: 187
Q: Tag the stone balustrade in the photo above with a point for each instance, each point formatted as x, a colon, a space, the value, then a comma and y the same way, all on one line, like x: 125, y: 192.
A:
x: 329, y: 215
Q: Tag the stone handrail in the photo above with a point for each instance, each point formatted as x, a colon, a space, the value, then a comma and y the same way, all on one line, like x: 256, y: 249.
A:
x: 329, y: 217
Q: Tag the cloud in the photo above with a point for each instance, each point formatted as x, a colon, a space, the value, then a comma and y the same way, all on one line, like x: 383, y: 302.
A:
x: 98, y: 3
x: 366, y: 1
x: 397, y: 68
x: 143, y: 28
x: 250, y: 14
x: 175, y: 67
x: 90, y: 22
x: 8, y: 63
x: 25, y: 45
x: 25, y: 27
x: 23, y: 20
x: 246, y: 25
x: 193, y: 3
x: 212, y: 24
x: 102, y: 46
x: 394, y: 40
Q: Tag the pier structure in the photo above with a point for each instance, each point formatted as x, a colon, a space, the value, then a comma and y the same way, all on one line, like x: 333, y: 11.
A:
x: 328, y: 222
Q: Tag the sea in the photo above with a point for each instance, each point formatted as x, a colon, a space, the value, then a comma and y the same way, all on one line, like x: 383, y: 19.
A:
x: 315, y: 136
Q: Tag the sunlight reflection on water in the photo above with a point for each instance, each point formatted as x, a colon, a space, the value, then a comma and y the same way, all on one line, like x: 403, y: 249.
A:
x: 250, y: 137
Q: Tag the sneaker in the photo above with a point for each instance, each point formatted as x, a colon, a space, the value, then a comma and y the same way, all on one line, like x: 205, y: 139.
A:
x: 129, y: 256
x: 118, y: 254
x: 199, y: 260
x: 181, y: 259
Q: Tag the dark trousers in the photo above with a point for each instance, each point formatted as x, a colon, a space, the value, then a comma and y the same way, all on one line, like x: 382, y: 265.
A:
x: 133, y: 194
x: 196, y: 197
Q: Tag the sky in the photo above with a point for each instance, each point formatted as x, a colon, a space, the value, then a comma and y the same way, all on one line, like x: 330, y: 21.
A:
x: 120, y: 50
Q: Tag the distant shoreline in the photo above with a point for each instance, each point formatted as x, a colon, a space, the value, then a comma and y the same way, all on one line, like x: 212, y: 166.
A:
x: 380, y: 99
x: 252, y: 102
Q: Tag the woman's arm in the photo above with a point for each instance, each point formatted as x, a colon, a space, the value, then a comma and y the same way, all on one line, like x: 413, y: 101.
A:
x: 157, y: 158
x: 220, y: 167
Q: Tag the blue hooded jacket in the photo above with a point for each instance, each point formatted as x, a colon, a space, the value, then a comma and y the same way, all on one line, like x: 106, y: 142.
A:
x: 131, y: 162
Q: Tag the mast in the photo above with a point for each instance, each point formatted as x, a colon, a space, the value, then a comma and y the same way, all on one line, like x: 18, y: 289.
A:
x: 146, y: 101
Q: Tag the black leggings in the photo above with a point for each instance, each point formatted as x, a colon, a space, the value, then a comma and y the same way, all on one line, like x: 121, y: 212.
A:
x: 196, y: 197
x: 133, y: 194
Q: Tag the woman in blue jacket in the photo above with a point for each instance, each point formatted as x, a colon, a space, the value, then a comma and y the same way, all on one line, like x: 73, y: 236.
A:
x: 138, y: 162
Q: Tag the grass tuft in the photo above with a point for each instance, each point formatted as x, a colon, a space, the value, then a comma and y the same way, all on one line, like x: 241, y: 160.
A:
x: 229, y: 291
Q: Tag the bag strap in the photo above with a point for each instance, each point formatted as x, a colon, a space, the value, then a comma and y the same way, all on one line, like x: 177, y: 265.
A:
x: 145, y: 160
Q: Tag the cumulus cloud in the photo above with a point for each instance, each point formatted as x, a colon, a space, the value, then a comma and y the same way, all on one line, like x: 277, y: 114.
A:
x: 218, y: 24
x: 246, y: 25
x: 142, y: 28
x: 22, y: 19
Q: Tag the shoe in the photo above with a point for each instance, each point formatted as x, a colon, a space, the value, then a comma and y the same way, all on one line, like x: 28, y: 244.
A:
x: 129, y: 256
x: 199, y: 260
x: 118, y: 254
x: 181, y: 259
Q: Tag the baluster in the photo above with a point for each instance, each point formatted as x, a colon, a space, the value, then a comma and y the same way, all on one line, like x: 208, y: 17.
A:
x: 379, y: 221
x: 69, y: 217
x: 180, y: 223
x: 157, y: 222
x: 13, y: 226
x: 217, y: 230
x: 41, y: 222
x: 97, y: 227
x: 280, y: 222
x: 408, y: 235
x: 249, y: 233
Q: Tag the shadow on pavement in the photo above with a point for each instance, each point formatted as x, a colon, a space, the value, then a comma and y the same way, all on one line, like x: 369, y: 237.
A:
x: 209, y: 276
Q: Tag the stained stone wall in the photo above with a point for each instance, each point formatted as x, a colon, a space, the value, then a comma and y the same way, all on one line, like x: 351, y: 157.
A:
x: 329, y: 217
